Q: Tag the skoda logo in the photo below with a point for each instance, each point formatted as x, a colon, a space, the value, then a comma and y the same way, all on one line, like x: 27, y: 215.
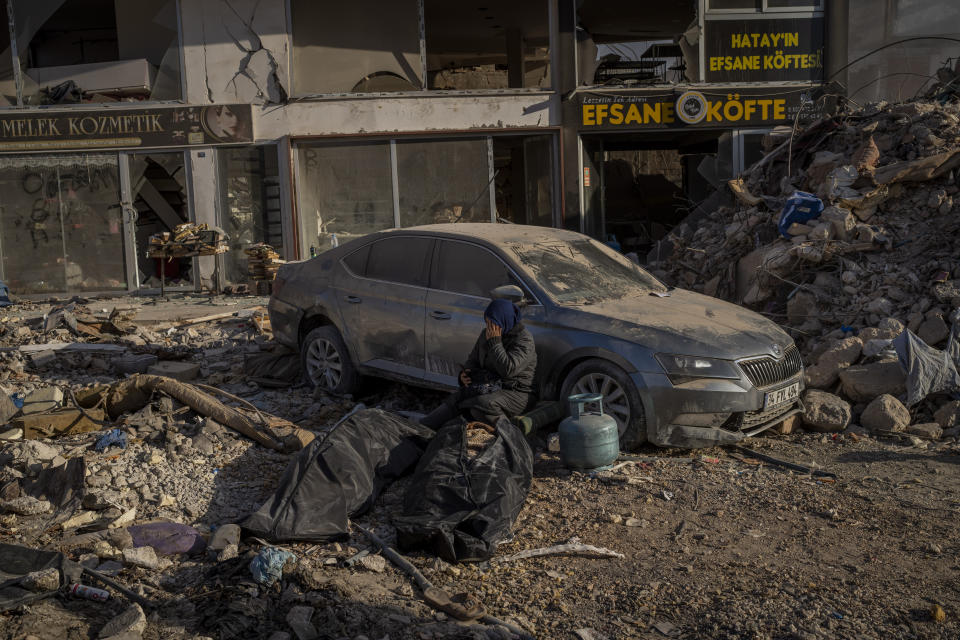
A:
x: 691, y: 107
x: 776, y: 350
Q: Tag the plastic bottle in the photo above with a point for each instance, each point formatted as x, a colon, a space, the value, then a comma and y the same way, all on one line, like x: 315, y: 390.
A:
x: 334, y: 243
x: 313, y: 252
x: 90, y: 593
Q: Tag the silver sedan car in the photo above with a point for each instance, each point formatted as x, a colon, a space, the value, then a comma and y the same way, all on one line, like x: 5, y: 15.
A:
x: 676, y: 368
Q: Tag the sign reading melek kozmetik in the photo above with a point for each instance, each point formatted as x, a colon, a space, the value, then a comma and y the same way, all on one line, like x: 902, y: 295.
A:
x: 126, y: 128
x: 764, y: 50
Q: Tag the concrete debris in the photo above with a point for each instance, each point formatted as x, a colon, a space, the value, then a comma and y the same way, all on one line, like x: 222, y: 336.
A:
x: 40, y: 581
x: 824, y: 412
x: 144, y: 557
x: 885, y: 413
x: 948, y: 416
x: 131, y: 620
x: 880, y: 256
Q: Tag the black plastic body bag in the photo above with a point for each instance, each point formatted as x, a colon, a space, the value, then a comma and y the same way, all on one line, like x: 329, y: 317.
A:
x: 459, y: 508
x: 339, y: 476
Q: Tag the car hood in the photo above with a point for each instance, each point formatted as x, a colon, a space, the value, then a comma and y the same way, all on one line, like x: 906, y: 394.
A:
x: 685, y: 323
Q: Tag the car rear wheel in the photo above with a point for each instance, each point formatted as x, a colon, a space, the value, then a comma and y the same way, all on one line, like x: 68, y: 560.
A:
x: 621, y: 400
x: 326, y: 361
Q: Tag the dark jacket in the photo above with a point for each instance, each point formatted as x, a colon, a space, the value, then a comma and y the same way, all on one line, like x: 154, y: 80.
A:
x: 513, y: 358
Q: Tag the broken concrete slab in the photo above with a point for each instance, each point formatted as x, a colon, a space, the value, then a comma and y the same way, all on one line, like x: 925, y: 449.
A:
x: 863, y: 383
x: 42, y: 400
x: 824, y: 412
x: 885, y: 413
x: 182, y: 371
x: 131, y: 620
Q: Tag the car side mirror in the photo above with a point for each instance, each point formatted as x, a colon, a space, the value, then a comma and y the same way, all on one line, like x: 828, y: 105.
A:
x: 510, y: 292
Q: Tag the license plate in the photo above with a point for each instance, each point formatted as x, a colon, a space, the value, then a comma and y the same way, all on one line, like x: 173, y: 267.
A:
x: 781, y: 396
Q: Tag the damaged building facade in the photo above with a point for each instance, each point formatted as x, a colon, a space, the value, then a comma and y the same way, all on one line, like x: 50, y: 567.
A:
x: 303, y: 124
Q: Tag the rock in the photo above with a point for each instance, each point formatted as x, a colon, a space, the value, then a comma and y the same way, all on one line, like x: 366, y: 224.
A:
x: 885, y: 413
x: 132, y: 620
x: 203, y: 444
x: 279, y: 635
x: 36, y: 451
x: 41, y: 581
x: 79, y: 520
x: 839, y: 356
x: 876, y: 346
x: 933, y: 330
x: 127, y: 517
x: 800, y: 306
x: 863, y: 383
x: 374, y: 563
x: 14, y: 433
x: 224, y: 535
x: 182, y: 371
x: 841, y: 220
x: 880, y: 306
x: 948, y: 415
x: 167, y: 501
x: 229, y: 552
x: 824, y: 412
x: 144, y: 557
x: 299, y: 620
x: 633, y: 522
x: 7, y: 408
x: 110, y: 568
x: 937, y: 613
x: 553, y: 442
x: 41, y: 400
x: 25, y: 506
x: 887, y: 329
x: 929, y: 430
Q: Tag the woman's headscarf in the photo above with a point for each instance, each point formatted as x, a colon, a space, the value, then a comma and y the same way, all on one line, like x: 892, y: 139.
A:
x: 503, y: 313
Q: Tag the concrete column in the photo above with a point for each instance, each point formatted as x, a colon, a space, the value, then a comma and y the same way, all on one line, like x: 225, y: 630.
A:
x: 204, y: 202
x: 837, y: 53
x: 566, y: 61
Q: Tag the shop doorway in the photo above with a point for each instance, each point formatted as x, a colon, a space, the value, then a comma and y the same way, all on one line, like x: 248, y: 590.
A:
x: 157, y: 202
x: 637, y: 188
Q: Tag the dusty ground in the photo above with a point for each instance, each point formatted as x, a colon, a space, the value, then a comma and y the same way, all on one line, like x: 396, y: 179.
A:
x: 716, y: 545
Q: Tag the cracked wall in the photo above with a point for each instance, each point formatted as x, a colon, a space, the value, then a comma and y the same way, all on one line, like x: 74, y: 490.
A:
x: 235, y: 51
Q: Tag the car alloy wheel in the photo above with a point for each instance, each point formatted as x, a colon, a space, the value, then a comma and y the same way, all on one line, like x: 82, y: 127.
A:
x: 324, y: 364
x: 615, y: 401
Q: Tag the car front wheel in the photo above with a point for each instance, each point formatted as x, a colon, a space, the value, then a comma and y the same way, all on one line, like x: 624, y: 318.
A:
x: 621, y: 400
x: 326, y: 361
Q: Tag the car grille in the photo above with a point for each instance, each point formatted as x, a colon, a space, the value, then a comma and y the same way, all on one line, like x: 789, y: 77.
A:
x: 766, y: 371
x: 751, y: 419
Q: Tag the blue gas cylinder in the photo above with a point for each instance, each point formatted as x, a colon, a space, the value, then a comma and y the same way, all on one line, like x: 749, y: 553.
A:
x: 588, y: 439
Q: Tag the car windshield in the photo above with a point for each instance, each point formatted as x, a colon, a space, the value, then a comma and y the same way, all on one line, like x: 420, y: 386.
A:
x: 583, y: 271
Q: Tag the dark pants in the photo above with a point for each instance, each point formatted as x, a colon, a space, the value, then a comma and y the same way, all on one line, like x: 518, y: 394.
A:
x: 486, y: 408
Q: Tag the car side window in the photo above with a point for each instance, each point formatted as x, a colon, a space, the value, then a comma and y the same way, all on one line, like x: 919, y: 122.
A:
x: 471, y: 270
x: 403, y: 260
x: 357, y: 261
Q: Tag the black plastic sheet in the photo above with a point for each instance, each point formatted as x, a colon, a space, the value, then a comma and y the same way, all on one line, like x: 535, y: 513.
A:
x: 17, y: 561
x: 339, y: 477
x: 460, y: 507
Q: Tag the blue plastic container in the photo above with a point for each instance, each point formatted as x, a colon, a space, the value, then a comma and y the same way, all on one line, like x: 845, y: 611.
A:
x: 588, y: 439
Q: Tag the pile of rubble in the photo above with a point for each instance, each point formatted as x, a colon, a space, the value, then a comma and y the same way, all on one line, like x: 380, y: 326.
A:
x: 845, y: 275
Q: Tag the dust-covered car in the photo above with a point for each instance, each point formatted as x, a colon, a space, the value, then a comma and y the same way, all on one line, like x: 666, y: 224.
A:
x: 676, y: 368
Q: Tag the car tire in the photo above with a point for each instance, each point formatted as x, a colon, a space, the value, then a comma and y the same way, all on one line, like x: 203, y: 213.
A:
x: 601, y: 376
x: 326, y: 361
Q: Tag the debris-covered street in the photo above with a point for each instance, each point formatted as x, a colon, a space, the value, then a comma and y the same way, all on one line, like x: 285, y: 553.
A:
x: 715, y: 542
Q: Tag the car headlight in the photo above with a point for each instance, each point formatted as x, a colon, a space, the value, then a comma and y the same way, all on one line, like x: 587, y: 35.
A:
x: 682, y: 369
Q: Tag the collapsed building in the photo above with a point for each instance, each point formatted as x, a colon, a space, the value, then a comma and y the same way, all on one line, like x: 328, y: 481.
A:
x: 301, y: 126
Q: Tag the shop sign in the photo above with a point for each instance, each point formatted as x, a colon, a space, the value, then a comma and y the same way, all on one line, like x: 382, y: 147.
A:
x: 764, y: 50
x: 719, y: 108
x: 127, y: 128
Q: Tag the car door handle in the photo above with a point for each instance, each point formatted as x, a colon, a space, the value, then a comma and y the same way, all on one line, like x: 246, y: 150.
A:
x: 352, y: 299
x: 439, y: 315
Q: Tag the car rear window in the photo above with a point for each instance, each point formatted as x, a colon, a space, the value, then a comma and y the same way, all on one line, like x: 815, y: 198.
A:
x: 402, y: 260
x: 468, y: 269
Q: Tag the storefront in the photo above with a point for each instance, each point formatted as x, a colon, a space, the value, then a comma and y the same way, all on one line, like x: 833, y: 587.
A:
x: 82, y: 191
x: 348, y: 187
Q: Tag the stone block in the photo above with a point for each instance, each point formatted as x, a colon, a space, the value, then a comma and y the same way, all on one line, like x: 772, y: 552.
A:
x: 42, y: 400
x: 824, y: 412
x: 182, y: 371
x: 885, y: 413
x: 863, y: 383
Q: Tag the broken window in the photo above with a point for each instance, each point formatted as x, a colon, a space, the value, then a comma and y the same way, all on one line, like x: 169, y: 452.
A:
x: 523, y: 179
x: 250, y: 204
x: 97, y: 50
x: 343, y: 191
x: 630, y: 45
x: 60, y: 223
x: 359, y: 46
x: 443, y: 181
x: 494, y: 45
